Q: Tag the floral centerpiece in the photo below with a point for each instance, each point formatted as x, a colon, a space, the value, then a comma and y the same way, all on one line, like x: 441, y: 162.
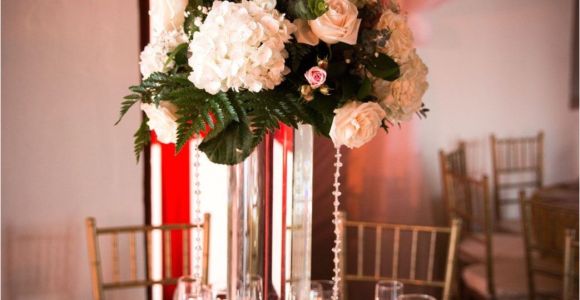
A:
x: 234, y: 71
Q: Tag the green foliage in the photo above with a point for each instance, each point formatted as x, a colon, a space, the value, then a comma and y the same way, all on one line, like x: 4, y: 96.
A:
x: 201, y: 112
x: 365, y: 89
x: 258, y: 114
x: 178, y: 55
x: 268, y: 108
x: 321, y: 110
x: 193, y: 12
x: 141, y: 137
x: 297, y: 52
x: 383, y: 66
x: 348, y: 85
x: 422, y: 113
x: 130, y: 100
x: 231, y: 146
x: 307, y: 9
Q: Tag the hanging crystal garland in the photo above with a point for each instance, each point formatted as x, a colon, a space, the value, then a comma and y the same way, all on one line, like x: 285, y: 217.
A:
x: 337, y: 228
x: 197, y: 218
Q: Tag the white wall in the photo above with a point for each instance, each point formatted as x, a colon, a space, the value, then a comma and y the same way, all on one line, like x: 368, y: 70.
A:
x: 499, y: 67
x: 66, y: 66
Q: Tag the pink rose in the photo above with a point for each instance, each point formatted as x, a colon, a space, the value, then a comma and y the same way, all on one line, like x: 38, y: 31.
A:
x: 316, y: 77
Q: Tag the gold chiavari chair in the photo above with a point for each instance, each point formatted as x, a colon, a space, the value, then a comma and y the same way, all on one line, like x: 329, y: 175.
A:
x: 517, y: 163
x: 100, y: 284
x: 544, y: 227
x: 452, y: 162
x: 570, y: 290
x: 469, y: 200
x: 497, y: 269
x: 428, y: 234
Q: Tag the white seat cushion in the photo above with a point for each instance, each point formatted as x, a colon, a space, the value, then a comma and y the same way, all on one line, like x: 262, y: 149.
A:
x: 472, y: 249
x: 510, y: 280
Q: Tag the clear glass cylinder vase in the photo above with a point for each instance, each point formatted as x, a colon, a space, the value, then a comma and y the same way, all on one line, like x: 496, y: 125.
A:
x: 270, y: 216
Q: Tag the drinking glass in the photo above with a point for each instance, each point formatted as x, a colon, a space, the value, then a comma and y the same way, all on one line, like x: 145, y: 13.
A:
x: 416, y: 297
x: 327, y: 286
x: 188, y: 288
x: 250, y: 288
x: 388, y: 290
x: 316, y: 292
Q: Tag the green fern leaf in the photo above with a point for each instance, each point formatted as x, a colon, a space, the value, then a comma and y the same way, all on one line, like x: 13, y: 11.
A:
x: 297, y: 52
x: 228, y: 108
x: 142, y: 138
x: 127, y: 104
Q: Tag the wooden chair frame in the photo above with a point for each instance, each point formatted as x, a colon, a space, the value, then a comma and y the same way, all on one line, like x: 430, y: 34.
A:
x: 454, y: 162
x: 570, y: 265
x: 466, y: 212
x: 99, y: 286
x: 454, y: 231
x: 515, y: 156
x: 542, y: 238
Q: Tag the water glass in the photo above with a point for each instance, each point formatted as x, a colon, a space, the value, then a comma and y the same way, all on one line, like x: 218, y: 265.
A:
x: 250, y: 288
x: 416, y: 297
x: 316, y: 292
x: 189, y: 288
x: 388, y: 290
x: 327, y: 286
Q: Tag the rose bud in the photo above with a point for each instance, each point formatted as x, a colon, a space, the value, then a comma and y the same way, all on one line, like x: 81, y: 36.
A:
x: 306, y: 92
x: 323, y: 63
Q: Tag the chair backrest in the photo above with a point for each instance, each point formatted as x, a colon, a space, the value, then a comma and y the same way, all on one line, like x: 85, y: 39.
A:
x: 544, y: 228
x: 417, y: 234
x: 163, y: 234
x: 570, y: 289
x: 469, y: 200
x: 517, y: 163
x: 452, y: 162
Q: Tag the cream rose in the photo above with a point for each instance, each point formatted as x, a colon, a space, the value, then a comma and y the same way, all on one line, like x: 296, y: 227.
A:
x: 400, y: 43
x: 167, y: 15
x: 338, y: 24
x: 402, y: 98
x: 304, y: 34
x: 162, y: 120
x: 356, y: 123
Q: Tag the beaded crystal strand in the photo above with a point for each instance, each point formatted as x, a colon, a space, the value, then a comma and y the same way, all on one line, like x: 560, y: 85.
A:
x: 197, y: 220
x: 337, y: 228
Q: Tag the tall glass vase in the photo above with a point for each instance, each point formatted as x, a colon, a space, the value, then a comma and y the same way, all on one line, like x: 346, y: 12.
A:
x: 270, y: 216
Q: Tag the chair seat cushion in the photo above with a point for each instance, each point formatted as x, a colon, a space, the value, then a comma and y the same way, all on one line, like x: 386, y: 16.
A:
x: 547, y: 265
x: 510, y: 280
x: 472, y: 248
x: 510, y: 226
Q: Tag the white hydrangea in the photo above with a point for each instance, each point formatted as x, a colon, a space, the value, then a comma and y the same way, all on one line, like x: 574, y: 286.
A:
x: 154, y: 56
x: 401, y: 98
x: 400, y: 43
x: 240, y: 46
